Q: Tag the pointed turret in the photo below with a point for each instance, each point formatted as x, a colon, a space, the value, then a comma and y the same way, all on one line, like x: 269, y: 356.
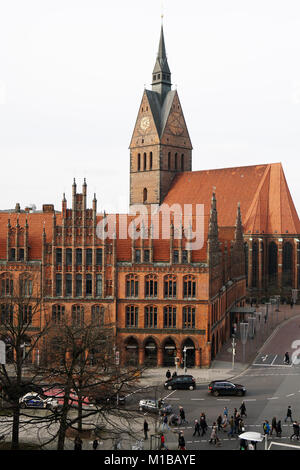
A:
x: 161, y: 75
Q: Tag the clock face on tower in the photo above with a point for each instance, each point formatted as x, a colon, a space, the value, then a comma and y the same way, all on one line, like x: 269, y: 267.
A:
x: 145, y: 123
x: 176, y: 123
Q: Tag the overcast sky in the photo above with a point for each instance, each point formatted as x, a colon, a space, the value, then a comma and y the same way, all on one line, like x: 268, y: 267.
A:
x: 72, y: 74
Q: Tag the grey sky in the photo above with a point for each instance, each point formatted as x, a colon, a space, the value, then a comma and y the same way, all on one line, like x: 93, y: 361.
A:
x: 72, y: 75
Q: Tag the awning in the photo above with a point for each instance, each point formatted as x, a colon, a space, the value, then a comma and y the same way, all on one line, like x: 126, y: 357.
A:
x: 251, y: 436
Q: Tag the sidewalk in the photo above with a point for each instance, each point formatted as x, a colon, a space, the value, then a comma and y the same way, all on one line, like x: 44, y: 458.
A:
x: 221, y: 367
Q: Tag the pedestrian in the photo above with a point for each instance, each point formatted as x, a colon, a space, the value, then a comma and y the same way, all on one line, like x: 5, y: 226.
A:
x: 197, y: 428
x: 266, y: 427
x: 174, y: 374
x: 231, y: 424
x: 236, y: 424
x: 273, y: 426
x: 241, y: 426
x: 225, y: 411
x: 203, y: 424
x: 181, y: 441
x: 95, y: 444
x: 165, y: 422
x: 288, y: 414
x: 224, y: 423
x: 77, y: 443
x: 162, y: 442
x: 278, y: 429
x: 296, y: 430
x: 243, y: 409
x: 219, y: 422
x: 182, y: 416
x: 146, y: 429
x: 292, y: 303
x: 235, y: 411
x: 286, y: 358
x: 168, y: 374
x: 214, y: 435
x: 55, y: 411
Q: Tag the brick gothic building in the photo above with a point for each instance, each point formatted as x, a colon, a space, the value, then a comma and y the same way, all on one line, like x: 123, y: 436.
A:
x: 160, y: 294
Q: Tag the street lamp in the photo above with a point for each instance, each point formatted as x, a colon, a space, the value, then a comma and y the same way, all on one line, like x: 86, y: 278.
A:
x: 233, y: 350
x: 184, y: 359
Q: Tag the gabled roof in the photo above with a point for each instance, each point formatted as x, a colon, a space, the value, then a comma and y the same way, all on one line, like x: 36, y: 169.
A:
x: 265, y: 200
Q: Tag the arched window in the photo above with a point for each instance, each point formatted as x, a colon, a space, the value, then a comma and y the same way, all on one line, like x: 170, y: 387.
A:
x: 169, y: 160
x: 6, y: 314
x: 25, y: 284
x: 188, y: 317
x: 170, y: 286
x: 254, y: 263
x: 246, y: 261
x: 131, y: 318
x: 182, y: 162
x: 189, y: 286
x: 169, y: 317
x: 139, y: 162
x: 25, y: 314
x: 145, y: 195
x: 132, y: 285
x: 287, y: 264
x: 77, y: 315
x: 97, y: 317
x: 58, y: 314
x: 145, y: 161
x: 151, y: 161
x: 151, y: 285
x: 150, y: 317
x: 175, y: 161
x: 7, y: 285
x: 272, y: 257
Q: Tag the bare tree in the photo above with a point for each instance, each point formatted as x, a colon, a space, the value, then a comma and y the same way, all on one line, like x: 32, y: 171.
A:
x: 21, y: 328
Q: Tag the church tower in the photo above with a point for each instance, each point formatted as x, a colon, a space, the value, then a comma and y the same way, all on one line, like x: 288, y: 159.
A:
x: 160, y: 146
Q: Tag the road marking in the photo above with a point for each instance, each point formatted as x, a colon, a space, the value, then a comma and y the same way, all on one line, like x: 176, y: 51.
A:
x: 223, y: 399
x: 196, y: 398
x: 290, y: 395
x: 250, y: 399
x: 273, y: 398
x: 264, y: 357
x: 274, y: 359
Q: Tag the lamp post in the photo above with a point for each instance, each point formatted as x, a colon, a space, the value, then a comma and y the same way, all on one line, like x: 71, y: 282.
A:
x: 233, y: 351
x: 184, y: 359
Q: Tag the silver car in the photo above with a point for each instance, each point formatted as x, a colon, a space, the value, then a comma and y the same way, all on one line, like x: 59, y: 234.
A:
x: 155, y: 406
x: 35, y: 400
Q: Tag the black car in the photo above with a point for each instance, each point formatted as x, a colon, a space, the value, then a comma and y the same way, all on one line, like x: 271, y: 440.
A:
x: 186, y: 382
x: 224, y: 387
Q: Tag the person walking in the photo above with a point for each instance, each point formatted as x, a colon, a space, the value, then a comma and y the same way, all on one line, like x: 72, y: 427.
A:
x: 296, y: 430
x: 225, y: 411
x: 231, y: 424
x: 165, y: 422
x: 266, y: 427
x: 182, y: 416
x: 168, y: 374
x: 241, y: 426
x: 273, y: 426
x: 214, y: 435
x: 197, y: 428
x: 288, y: 414
x: 219, y: 422
x: 286, y: 359
x: 146, y: 429
x: 278, y: 428
x: 162, y: 442
x: 203, y: 424
x: 181, y: 441
x: 236, y: 423
x: 243, y: 410
x: 95, y: 444
x: 174, y: 374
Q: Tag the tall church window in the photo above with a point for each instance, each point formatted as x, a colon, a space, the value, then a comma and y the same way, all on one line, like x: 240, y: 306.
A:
x: 254, y: 264
x: 131, y: 318
x: 287, y: 264
x: 170, y: 286
x: 139, y: 162
x: 246, y: 261
x: 132, y: 285
x: 182, y: 162
x: 169, y: 317
x: 145, y: 161
x: 150, y: 319
x: 145, y: 194
x: 188, y: 317
x: 169, y: 160
x: 151, y: 159
x: 272, y: 255
x: 176, y: 161
x: 189, y: 286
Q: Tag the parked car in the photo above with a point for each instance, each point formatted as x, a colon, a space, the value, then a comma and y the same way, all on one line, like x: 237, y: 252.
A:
x: 186, y: 382
x: 58, y: 394
x: 224, y: 387
x: 155, y: 406
x: 36, y: 400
